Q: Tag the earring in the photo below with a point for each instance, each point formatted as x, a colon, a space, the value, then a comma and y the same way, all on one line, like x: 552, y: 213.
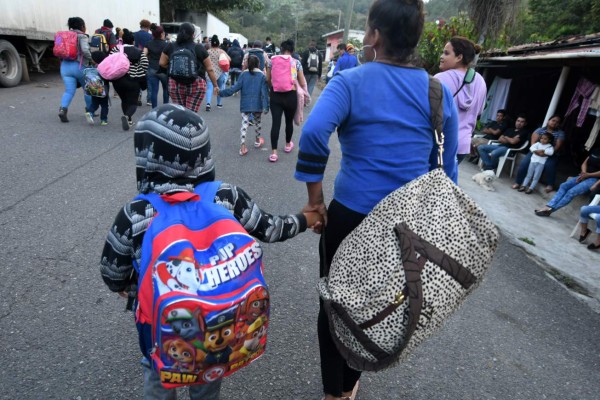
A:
x: 374, y: 52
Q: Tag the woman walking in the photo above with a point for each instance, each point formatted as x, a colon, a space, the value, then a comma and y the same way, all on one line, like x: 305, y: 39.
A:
x: 156, y: 75
x: 189, y: 94
x: 469, y: 92
x: 284, y: 72
x: 71, y: 70
x: 383, y: 146
x: 214, y: 53
x: 128, y: 87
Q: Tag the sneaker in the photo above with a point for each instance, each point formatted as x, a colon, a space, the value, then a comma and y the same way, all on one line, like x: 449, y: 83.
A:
x: 62, y: 114
x: 90, y: 118
x: 130, y: 121
x: 148, y: 103
x: 124, y: 123
x: 208, y: 107
x: 103, y: 123
x: 219, y: 105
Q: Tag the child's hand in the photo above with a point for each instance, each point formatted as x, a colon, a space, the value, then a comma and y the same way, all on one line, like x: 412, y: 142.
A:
x: 314, y: 220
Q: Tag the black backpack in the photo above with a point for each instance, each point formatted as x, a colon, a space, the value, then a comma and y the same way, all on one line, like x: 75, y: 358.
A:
x: 237, y: 57
x: 183, y: 65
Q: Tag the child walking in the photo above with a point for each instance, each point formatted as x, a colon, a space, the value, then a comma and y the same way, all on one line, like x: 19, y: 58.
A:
x: 99, y: 102
x: 541, y: 151
x: 254, y: 101
x: 174, y: 160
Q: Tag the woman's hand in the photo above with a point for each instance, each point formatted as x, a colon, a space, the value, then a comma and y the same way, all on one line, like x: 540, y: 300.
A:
x: 316, y: 216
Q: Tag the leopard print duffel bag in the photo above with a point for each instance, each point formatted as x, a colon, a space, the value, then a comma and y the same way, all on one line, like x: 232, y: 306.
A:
x: 411, y: 262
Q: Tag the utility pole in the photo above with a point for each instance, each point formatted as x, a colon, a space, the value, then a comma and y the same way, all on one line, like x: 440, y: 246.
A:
x: 348, y: 19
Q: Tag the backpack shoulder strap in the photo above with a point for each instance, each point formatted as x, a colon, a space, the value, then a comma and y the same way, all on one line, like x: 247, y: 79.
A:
x: 469, y: 77
x: 154, y: 198
x: 207, y: 190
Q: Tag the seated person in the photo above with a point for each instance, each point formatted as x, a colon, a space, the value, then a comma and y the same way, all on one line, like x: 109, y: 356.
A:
x: 584, y: 218
x: 492, y: 131
x: 587, y: 181
x: 511, y: 139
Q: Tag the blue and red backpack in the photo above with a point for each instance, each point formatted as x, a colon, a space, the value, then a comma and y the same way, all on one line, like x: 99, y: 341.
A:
x: 203, y: 304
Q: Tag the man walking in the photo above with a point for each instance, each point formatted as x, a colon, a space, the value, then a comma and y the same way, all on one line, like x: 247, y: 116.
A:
x: 312, y: 64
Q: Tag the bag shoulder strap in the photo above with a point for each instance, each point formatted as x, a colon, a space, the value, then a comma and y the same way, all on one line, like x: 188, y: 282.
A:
x: 469, y: 77
x: 436, y: 105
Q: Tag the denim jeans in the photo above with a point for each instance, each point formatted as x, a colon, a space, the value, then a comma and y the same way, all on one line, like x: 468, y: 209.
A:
x: 569, y: 190
x: 154, y: 80
x: 584, y: 215
x: 549, y: 169
x: 311, y: 81
x: 153, y: 390
x: 533, y: 175
x: 490, y: 154
x: 209, y: 88
x: 100, y: 102
x: 71, y: 74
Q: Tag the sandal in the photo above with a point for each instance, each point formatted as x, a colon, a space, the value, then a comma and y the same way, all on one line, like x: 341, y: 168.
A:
x: 289, y: 147
x: 353, y: 394
x: 243, y: 151
x: 543, y: 213
x: 259, y: 142
x: 548, y: 189
x: 522, y: 189
x: 593, y: 246
x: 273, y: 157
x: 516, y: 186
x: 584, y: 236
x: 529, y: 191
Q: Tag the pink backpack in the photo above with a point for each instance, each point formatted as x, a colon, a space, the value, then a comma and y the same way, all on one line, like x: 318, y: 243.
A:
x: 115, y: 66
x: 65, y: 45
x: 283, y: 73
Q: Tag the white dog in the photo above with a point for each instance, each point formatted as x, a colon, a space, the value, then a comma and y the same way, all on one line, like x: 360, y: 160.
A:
x: 485, y: 179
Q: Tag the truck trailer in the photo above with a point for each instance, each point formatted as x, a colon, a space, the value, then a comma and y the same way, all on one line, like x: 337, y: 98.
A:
x: 28, y: 27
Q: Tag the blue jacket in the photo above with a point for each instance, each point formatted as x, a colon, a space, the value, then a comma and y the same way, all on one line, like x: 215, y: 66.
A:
x: 255, y: 94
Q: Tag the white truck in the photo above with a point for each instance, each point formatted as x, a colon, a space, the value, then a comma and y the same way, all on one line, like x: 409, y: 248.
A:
x: 210, y: 24
x: 28, y: 27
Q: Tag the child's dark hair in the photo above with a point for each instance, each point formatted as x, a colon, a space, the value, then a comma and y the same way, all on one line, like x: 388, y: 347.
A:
x: 287, y: 45
x: 76, y: 23
x: 252, y: 63
x: 214, y: 41
x: 549, y: 136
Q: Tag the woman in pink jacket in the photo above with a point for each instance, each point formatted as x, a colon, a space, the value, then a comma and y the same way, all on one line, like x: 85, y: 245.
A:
x: 469, y: 98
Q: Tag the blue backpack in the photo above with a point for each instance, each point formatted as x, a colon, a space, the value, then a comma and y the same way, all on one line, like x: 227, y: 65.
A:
x: 203, y: 304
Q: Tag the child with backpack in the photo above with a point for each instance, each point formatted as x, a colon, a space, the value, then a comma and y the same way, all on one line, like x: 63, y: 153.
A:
x: 255, y: 99
x: 72, y: 47
x: 183, y: 243
x: 98, y: 88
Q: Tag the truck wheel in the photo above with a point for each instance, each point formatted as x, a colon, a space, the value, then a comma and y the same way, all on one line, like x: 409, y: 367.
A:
x: 10, y: 65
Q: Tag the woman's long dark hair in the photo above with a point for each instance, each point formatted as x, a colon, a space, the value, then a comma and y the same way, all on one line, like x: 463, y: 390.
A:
x: 400, y: 24
x: 186, y: 33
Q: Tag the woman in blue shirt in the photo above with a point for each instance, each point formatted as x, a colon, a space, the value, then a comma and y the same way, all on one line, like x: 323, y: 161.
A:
x: 381, y: 112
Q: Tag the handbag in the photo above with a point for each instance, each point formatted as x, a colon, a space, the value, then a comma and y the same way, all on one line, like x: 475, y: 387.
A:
x: 224, y: 62
x: 408, y: 266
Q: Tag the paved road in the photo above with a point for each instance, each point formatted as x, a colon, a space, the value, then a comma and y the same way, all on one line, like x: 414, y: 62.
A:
x: 65, y: 336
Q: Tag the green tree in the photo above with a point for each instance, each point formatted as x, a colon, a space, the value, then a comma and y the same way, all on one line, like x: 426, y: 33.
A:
x: 492, y: 17
x: 436, y: 35
x: 168, y: 7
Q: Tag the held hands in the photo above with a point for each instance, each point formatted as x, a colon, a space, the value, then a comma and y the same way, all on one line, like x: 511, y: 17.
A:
x: 316, y: 223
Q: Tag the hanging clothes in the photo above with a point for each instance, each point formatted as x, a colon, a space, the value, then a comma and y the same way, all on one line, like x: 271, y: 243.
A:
x: 496, y: 98
x: 584, y: 89
x: 594, y: 104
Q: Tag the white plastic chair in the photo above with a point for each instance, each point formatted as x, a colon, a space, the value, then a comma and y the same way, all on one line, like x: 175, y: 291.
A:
x: 595, y: 201
x: 511, y: 155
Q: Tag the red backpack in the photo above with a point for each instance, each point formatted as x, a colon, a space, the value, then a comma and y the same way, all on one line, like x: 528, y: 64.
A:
x: 283, y: 73
x: 66, y: 45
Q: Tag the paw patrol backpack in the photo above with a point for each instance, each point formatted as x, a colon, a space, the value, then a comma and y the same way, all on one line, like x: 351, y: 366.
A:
x: 203, y: 304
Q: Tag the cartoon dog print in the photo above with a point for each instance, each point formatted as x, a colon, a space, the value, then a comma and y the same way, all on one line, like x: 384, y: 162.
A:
x: 181, y: 273
x: 185, y: 323
x: 219, y: 336
x: 183, y: 354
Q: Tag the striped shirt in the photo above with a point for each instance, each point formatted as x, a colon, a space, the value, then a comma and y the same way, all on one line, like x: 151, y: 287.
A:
x: 138, y: 67
x: 124, y: 241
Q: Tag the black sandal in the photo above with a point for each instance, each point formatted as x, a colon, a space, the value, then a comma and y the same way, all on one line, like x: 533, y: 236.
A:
x: 593, y: 246
x: 543, y: 213
x: 584, y: 236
